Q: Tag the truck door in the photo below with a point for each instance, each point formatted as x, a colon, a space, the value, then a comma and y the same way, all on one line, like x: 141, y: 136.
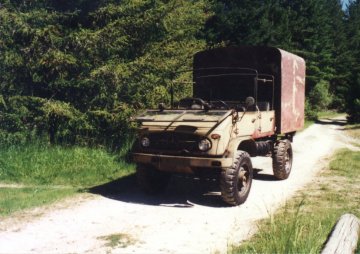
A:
x: 267, y: 122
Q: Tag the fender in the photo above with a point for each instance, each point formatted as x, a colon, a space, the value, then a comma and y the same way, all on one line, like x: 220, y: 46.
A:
x: 244, y: 143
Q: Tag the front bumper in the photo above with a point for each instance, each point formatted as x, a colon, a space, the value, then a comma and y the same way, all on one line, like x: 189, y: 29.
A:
x: 181, y: 164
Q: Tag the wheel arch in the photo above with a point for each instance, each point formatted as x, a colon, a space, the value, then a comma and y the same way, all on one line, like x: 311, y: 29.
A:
x: 248, y: 146
x: 244, y: 144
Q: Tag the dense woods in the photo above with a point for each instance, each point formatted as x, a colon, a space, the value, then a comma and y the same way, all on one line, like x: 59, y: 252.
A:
x: 75, y: 71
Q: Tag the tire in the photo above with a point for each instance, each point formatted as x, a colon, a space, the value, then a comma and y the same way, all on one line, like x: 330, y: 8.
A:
x: 151, y: 180
x: 235, y: 182
x: 282, y: 159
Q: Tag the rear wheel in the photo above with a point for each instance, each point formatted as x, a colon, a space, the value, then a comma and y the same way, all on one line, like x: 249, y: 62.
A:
x: 235, y: 182
x: 151, y: 180
x: 282, y: 159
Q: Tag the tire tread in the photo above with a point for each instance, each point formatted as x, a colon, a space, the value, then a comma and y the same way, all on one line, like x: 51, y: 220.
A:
x: 228, y: 180
x: 278, y: 161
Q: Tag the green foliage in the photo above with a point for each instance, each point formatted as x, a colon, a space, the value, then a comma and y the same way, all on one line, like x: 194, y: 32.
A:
x: 39, y: 174
x: 353, y: 36
x: 76, y: 72
x: 249, y: 22
x: 320, y: 97
x: 8, y: 138
x: 318, y: 100
x: 310, y: 113
x: 41, y: 164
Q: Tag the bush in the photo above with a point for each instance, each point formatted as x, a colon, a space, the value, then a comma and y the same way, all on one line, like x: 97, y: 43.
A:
x: 8, y: 138
x: 26, y: 118
x: 310, y: 113
x: 320, y: 97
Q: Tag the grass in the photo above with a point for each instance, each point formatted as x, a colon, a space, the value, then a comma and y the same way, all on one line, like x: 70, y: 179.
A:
x: 303, y: 224
x: 329, y: 114
x: 354, y: 131
x: 15, y: 199
x: 50, y: 173
x: 117, y: 240
x: 57, y: 165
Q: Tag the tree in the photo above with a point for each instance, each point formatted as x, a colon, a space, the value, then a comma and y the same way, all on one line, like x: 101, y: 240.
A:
x: 342, y: 56
x: 353, y: 96
x: 249, y: 23
x: 94, y: 60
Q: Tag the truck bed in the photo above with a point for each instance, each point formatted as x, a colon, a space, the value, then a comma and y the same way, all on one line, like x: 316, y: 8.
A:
x: 288, y: 71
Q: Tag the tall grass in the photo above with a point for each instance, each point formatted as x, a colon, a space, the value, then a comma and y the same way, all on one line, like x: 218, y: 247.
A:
x: 52, y: 172
x: 43, y: 164
x: 291, y: 230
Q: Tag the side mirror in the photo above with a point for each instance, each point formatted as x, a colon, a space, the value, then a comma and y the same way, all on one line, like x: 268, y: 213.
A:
x: 249, y: 101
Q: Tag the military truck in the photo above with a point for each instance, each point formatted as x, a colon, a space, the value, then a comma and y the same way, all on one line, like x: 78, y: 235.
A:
x: 247, y: 102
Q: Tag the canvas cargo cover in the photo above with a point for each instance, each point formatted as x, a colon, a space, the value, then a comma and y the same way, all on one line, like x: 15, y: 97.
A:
x: 288, y: 71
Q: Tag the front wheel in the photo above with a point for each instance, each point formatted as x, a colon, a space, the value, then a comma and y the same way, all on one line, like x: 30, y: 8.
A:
x: 151, y: 180
x: 235, y: 182
x: 282, y: 159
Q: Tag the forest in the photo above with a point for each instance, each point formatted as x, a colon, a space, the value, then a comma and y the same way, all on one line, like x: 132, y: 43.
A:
x: 74, y: 72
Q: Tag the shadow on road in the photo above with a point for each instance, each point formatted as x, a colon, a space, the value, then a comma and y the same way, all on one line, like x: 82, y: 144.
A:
x: 351, y: 128
x: 263, y: 176
x: 329, y: 121
x: 182, y: 192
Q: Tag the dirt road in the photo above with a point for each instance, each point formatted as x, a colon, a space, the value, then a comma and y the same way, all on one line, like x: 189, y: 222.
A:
x: 188, y: 218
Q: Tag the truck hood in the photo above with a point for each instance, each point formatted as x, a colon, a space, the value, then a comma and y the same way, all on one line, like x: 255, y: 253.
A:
x: 199, y: 121
x: 182, y: 116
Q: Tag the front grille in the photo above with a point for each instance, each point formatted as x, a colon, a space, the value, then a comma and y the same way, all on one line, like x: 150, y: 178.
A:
x: 174, y: 142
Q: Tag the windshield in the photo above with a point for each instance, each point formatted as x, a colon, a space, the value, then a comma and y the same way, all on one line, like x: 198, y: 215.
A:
x: 226, y: 88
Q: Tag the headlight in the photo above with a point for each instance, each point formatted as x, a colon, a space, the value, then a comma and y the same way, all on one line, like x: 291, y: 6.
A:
x: 145, y: 142
x: 204, y: 145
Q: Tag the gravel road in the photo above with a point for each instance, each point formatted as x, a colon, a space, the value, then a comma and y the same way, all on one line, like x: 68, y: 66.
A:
x: 188, y: 218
